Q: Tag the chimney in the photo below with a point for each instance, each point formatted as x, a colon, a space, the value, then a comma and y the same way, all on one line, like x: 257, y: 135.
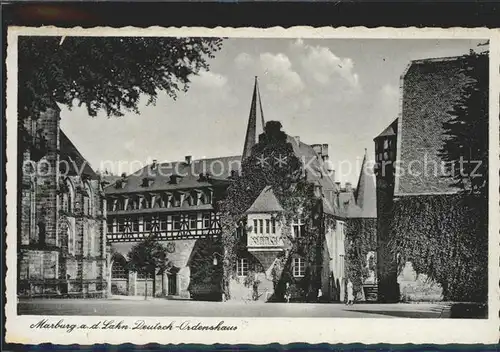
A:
x: 154, y: 164
x: 297, y: 139
x: 188, y: 159
x: 317, y: 149
x: 173, y: 179
x: 348, y: 187
x: 324, y: 152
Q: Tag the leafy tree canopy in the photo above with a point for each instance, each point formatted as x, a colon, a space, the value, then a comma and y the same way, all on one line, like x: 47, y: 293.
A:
x: 466, y: 137
x: 146, y: 256
x: 106, y: 73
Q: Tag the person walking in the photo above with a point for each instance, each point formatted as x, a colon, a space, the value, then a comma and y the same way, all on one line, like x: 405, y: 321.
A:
x: 350, y: 294
x: 287, y: 292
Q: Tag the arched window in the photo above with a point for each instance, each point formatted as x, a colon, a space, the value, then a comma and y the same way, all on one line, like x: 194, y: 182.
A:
x: 68, y: 197
x: 32, y: 213
x: 70, y: 233
x: 87, y: 200
x: 119, y: 268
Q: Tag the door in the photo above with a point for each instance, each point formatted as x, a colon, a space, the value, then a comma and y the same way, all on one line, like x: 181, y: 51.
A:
x: 172, y: 284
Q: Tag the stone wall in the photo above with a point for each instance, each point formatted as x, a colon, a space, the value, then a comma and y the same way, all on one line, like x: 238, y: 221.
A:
x: 430, y: 89
x: 46, y: 267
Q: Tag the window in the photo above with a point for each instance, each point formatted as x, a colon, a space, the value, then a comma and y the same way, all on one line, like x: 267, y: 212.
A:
x: 273, y: 226
x: 111, y: 227
x: 299, y: 228
x: 255, y: 226
x: 341, y: 231
x: 341, y: 265
x: 194, y: 198
x: 299, y: 267
x: 176, y: 200
x: 193, y: 221
x: 118, y: 270
x: 147, y: 223
x: 88, y: 200
x: 91, y: 232
x: 386, y: 144
x: 135, y: 224
x: 206, y: 220
x: 163, y: 223
x: 268, y: 226
x: 261, y: 226
x: 71, y: 239
x: 121, y: 225
x: 242, y: 267
x: 176, y: 219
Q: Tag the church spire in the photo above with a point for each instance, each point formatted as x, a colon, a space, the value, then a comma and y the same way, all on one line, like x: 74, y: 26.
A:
x: 365, y: 191
x: 251, y: 136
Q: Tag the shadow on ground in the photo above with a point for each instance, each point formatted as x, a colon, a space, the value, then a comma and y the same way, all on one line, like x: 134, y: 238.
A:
x: 469, y: 311
x: 399, y: 314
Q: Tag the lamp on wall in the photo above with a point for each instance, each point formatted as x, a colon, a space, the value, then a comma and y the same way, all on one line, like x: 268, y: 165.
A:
x: 215, y: 261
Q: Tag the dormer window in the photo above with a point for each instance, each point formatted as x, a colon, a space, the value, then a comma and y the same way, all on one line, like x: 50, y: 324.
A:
x: 146, y: 182
x: 298, y: 228
x: 174, y: 179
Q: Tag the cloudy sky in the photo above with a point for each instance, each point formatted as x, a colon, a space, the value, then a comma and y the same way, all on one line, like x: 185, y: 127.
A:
x: 336, y: 91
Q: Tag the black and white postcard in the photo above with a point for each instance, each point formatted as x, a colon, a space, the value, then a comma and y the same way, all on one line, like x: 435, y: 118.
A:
x: 192, y: 185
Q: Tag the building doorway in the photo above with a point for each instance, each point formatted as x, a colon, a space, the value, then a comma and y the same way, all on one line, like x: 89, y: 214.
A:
x: 172, y: 284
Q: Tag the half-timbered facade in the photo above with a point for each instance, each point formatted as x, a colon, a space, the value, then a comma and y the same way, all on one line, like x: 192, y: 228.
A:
x: 175, y: 203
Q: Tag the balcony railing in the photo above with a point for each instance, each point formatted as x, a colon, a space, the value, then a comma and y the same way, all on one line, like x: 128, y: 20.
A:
x: 264, y: 241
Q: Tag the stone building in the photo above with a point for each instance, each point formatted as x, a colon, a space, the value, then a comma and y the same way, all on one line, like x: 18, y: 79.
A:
x: 176, y: 202
x: 61, y: 242
x: 412, y: 145
x: 359, y: 209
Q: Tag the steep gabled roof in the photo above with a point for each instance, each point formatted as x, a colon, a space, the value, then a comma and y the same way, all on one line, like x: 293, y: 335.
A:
x: 266, y: 202
x: 77, y: 164
x: 391, y: 130
x: 365, y: 194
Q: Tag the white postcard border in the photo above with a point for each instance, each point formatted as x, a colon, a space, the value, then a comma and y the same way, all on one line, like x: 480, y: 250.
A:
x: 259, y: 330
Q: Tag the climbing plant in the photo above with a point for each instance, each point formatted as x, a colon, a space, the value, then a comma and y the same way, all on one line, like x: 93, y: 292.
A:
x: 360, y: 240
x: 446, y: 238
x: 272, y: 163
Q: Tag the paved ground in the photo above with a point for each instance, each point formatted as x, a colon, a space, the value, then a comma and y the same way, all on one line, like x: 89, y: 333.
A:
x: 160, y: 307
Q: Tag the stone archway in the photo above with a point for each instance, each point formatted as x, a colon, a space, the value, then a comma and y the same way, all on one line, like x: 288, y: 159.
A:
x: 118, y: 275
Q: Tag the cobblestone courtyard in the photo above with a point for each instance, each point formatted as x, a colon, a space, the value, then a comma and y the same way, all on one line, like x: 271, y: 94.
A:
x: 161, y: 307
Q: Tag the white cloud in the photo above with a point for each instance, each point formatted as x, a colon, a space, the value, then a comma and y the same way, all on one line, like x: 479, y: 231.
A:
x: 389, y: 95
x: 243, y: 60
x: 281, y: 77
x: 326, y: 68
x: 208, y: 79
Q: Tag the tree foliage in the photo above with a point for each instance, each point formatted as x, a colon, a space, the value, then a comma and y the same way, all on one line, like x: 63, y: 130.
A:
x: 148, y: 256
x: 106, y: 73
x: 446, y: 236
x: 466, y: 134
x: 291, y: 188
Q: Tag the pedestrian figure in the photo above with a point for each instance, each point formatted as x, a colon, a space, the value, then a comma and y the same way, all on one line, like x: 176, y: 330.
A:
x: 287, y: 292
x: 350, y: 294
x: 320, y: 294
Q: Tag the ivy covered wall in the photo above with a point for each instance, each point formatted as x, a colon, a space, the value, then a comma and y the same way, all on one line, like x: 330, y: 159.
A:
x: 446, y: 238
x: 361, y: 238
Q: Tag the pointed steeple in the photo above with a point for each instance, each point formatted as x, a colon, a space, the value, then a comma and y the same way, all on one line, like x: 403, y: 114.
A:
x: 251, y: 135
x: 365, y: 191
